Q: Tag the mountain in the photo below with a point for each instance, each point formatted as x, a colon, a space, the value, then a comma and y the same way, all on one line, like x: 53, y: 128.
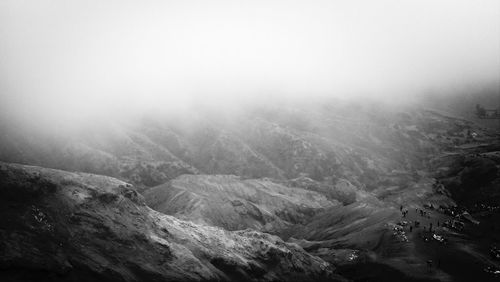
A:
x: 367, y: 145
x: 61, y: 226
x: 234, y: 204
x: 326, y: 180
x: 108, y: 148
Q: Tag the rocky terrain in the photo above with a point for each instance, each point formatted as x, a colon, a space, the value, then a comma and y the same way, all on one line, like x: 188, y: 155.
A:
x: 369, y: 146
x: 235, y: 204
x: 60, y: 226
x: 288, y: 192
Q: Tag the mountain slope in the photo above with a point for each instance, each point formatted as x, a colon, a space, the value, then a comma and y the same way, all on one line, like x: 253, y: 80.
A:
x: 366, y: 144
x: 232, y: 203
x: 60, y: 226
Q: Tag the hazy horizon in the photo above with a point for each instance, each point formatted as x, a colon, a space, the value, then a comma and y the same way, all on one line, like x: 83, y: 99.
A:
x: 86, y: 57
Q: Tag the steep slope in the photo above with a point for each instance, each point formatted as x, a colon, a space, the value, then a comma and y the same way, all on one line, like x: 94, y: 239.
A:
x: 210, y: 148
x: 232, y: 203
x: 369, y: 145
x: 60, y: 226
x: 109, y: 148
x: 356, y: 226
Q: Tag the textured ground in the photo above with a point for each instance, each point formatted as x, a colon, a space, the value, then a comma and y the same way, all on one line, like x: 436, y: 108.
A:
x: 234, y: 204
x: 326, y: 178
x: 74, y: 226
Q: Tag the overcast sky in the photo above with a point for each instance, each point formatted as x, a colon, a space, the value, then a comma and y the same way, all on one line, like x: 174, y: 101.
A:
x: 88, y: 55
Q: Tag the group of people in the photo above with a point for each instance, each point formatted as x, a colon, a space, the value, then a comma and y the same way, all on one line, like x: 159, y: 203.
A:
x: 416, y: 223
x: 423, y: 213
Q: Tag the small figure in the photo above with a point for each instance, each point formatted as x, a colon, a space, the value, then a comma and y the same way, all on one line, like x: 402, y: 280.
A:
x: 429, y: 264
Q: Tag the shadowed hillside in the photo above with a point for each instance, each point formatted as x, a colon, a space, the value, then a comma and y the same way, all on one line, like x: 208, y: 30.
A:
x: 61, y: 226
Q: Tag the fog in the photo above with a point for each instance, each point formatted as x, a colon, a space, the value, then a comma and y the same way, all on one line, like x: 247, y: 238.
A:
x: 73, y: 59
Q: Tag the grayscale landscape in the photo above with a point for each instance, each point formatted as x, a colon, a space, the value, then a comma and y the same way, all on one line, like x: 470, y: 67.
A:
x: 252, y: 141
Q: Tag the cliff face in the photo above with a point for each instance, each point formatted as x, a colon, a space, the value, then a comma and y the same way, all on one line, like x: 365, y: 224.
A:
x: 61, y: 226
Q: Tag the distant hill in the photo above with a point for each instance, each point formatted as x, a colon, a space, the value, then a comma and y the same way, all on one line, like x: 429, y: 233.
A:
x: 367, y: 145
x: 462, y: 104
